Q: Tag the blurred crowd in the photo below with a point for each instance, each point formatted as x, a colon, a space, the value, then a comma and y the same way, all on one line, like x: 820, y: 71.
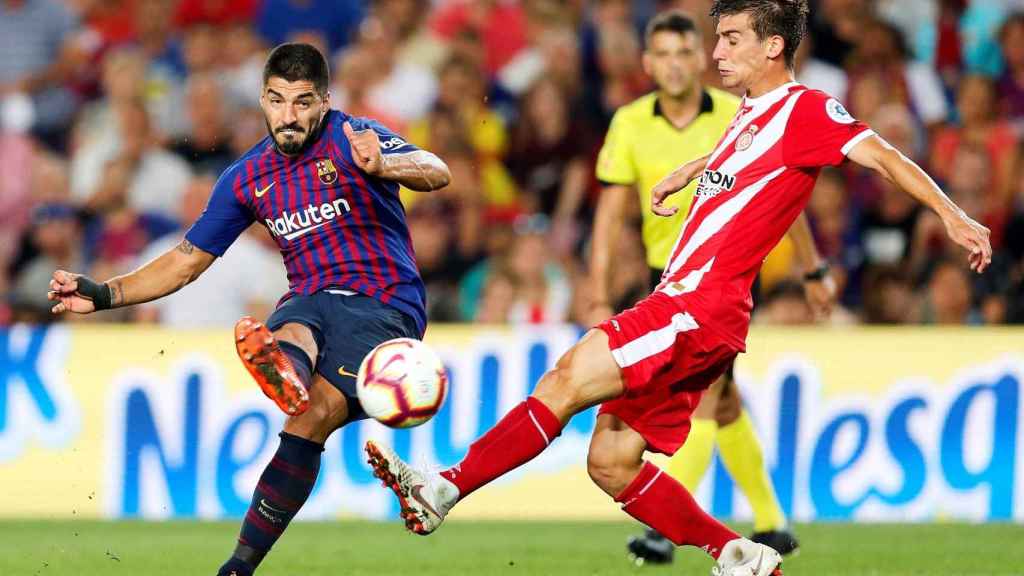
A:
x: 116, y: 117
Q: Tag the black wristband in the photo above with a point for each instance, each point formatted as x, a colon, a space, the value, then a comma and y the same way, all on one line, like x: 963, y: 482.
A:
x: 818, y: 274
x: 98, y: 293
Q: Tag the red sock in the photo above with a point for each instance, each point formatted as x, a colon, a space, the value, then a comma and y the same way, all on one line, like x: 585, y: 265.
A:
x: 658, y: 500
x: 515, y: 440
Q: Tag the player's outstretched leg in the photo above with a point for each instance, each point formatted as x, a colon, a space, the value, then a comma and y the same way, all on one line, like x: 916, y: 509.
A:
x: 688, y: 465
x: 288, y: 479
x: 281, y: 368
x: 584, y: 376
x: 743, y: 456
x: 615, y: 463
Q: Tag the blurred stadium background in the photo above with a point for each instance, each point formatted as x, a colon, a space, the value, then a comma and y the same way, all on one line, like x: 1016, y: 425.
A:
x: 116, y: 116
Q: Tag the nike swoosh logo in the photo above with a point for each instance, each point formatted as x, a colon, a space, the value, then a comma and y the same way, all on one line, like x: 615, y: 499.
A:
x: 263, y: 502
x: 259, y: 193
x: 760, y: 560
x: 298, y: 233
x: 415, y: 493
x: 344, y: 372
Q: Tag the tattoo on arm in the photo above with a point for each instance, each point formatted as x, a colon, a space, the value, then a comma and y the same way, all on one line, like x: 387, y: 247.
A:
x: 116, y: 293
x: 186, y: 247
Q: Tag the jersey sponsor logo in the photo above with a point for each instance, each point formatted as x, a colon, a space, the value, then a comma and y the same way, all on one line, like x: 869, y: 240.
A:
x: 326, y: 171
x: 837, y: 112
x: 747, y: 138
x: 713, y: 182
x: 392, y: 143
x: 258, y: 192
x: 291, y: 225
x: 344, y: 372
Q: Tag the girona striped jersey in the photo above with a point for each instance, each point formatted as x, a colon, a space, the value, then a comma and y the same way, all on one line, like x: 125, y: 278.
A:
x: 335, y: 225
x: 754, y: 186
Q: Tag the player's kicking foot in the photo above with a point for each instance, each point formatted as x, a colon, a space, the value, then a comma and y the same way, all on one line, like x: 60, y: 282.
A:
x: 269, y: 366
x: 424, y: 498
x: 650, y: 548
x: 742, y: 557
x: 783, y: 541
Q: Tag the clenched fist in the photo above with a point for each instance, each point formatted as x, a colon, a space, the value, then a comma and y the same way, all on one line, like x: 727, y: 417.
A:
x: 365, y: 146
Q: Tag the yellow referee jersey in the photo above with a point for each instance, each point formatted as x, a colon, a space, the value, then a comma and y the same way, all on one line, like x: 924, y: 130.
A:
x: 642, y: 147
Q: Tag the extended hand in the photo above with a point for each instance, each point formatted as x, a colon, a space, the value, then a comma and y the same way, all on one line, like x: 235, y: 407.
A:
x: 821, y: 296
x: 64, y: 291
x: 668, y: 186
x: 963, y: 230
x: 365, y: 146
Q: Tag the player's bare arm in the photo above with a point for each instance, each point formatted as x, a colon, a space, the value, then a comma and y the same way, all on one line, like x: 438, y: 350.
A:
x: 611, y: 209
x: 673, y: 183
x: 165, y: 274
x: 819, y: 287
x: 419, y: 170
x: 877, y: 154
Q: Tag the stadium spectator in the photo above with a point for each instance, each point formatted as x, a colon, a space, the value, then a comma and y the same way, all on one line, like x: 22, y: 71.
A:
x: 818, y: 74
x: 356, y: 73
x: 337, y: 20
x: 785, y: 305
x: 501, y: 25
x: 205, y: 145
x: 544, y: 294
x: 36, y: 60
x: 548, y: 159
x: 980, y: 125
x: 131, y: 170
x: 948, y: 297
x: 400, y: 89
x: 249, y: 278
x: 1011, y: 83
x: 881, y: 58
x: 417, y: 46
x: 888, y: 297
x: 55, y: 238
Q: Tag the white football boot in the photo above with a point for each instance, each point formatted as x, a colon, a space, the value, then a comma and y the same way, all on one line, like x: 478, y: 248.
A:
x: 425, y: 497
x: 741, y: 557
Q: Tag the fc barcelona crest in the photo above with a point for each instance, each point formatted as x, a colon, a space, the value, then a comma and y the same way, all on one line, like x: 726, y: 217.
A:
x: 326, y: 171
x: 746, y: 139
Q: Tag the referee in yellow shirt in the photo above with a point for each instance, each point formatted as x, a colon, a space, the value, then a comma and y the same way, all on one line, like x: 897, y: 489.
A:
x: 647, y: 140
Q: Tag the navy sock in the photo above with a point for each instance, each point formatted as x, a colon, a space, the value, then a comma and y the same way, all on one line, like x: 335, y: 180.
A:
x: 235, y: 567
x: 281, y: 491
x: 300, y: 361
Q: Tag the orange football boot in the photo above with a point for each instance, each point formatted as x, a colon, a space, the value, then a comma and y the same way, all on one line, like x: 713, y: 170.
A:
x: 269, y: 366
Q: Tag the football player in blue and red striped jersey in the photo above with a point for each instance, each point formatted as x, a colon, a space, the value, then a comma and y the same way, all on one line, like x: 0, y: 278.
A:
x: 325, y: 185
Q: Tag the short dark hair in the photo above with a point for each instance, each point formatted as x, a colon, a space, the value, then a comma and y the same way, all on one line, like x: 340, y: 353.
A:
x: 294, y: 62
x: 670, y: 21
x: 786, y: 18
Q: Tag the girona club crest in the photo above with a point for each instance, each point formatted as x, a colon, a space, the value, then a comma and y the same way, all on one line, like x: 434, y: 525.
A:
x: 746, y: 139
x: 326, y: 171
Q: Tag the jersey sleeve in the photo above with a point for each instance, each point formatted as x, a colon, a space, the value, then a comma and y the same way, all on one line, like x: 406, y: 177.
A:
x: 615, y: 160
x: 390, y: 142
x: 821, y: 132
x: 223, y: 220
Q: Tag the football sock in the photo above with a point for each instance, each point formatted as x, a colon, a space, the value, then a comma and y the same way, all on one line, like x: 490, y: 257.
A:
x: 661, y: 502
x: 282, y: 490
x: 235, y: 567
x: 300, y: 361
x: 516, y: 439
x: 744, y: 459
x: 691, y: 461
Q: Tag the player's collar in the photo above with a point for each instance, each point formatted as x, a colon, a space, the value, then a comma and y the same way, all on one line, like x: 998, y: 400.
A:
x: 770, y: 97
x: 707, y: 104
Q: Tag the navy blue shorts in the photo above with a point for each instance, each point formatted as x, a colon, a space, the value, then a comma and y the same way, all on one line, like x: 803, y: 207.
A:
x: 346, y: 328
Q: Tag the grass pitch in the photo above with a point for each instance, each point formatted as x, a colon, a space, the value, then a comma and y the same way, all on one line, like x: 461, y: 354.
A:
x: 487, y: 548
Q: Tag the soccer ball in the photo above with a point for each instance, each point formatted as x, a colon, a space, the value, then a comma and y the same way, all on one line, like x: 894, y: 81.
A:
x: 402, y: 383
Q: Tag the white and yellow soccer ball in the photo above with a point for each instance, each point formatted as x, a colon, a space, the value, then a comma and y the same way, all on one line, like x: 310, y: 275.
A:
x: 402, y: 383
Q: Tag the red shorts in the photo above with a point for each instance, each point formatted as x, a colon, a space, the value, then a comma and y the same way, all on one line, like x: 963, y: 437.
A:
x: 667, y: 362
